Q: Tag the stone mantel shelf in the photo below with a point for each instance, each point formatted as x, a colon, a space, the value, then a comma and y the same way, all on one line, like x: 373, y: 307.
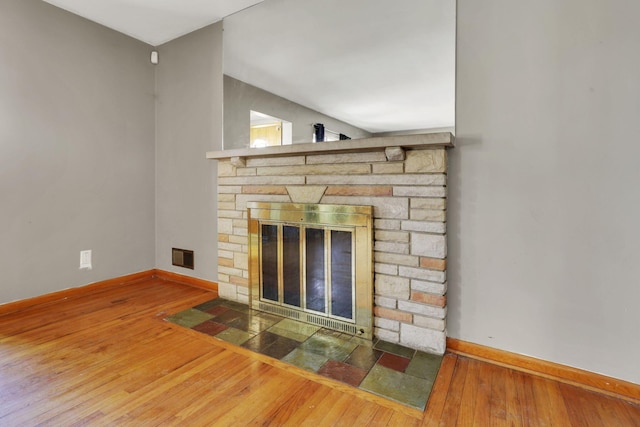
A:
x: 427, y: 140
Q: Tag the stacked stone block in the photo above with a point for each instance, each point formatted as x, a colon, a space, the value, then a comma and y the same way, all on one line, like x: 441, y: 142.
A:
x: 408, y: 192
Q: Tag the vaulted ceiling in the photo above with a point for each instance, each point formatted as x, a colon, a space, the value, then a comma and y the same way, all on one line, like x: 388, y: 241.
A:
x: 154, y: 21
x: 380, y: 65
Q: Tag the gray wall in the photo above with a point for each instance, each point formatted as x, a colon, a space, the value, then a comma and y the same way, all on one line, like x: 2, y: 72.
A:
x: 188, y: 124
x: 240, y: 98
x: 544, y: 195
x: 76, y: 151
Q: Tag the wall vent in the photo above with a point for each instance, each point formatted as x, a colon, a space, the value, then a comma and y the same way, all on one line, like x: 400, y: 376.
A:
x: 182, y: 258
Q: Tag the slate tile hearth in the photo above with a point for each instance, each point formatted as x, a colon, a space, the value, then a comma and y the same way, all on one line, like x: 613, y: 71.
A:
x: 388, y: 370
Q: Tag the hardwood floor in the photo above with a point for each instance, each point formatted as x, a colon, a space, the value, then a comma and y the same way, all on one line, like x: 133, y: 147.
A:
x: 109, y: 359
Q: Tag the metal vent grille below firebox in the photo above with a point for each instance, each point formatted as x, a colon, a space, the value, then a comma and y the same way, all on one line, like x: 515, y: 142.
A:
x: 310, y: 318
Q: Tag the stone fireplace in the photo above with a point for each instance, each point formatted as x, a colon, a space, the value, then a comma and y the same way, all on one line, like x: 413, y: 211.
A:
x: 403, y: 178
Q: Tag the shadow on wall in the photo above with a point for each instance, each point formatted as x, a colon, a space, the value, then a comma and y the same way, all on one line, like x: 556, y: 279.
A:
x: 456, y: 201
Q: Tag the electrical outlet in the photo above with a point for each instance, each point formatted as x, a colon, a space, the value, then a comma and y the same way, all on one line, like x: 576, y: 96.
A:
x: 85, y: 259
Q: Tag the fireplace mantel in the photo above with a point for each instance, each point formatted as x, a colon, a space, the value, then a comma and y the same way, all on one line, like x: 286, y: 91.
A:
x: 420, y: 141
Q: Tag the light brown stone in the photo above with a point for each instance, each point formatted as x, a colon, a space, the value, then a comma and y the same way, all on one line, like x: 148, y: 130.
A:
x: 275, y: 161
x: 392, y: 236
x: 429, y: 322
x: 241, y: 260
x: 423, y: 274
x: 359, y: 190
x: 264, y: 189
x: 394, y: 154
x: 246, y: 172
x: 433, y: 263
x: 390, y: 325
x: 426, y: 161
x: 387, y: 258
x: 429, y: 287
x: 415, y: 191
x: 226, y: 169
x: 329, y: 159
x: 429, y: 203
x: 260, y: 180
x: 306, y: 193
x: 240, y: 240
x: 394, y: 179
x: 429, y: 245
x: 223, y: 238
x: 423, y: 309
x: 392, y: 286
x: 386, y: 335
x: 241, y: 281
x: 227, y: 291
x: 425, y: 226
x: 388, y: 168
x: 225, y: 226
x: 239, y: 162
x: 229, y: 214
x: 437, y: 300
x: 224, y: 253
x: 339, y: 169
x: 428, y: 215
x: 392, y: 314
x: 230, y: 271
x: 242, y: 199
x: 388, y: 269
x: 228, y: 189
x: 386, y: 224
x: 225, y: 262
x: 385, y: 301
x: 392, y: 247
x: 423, y: 339
x: 229, y: 246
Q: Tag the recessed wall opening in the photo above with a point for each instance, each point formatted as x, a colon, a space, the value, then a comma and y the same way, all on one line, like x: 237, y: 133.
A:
x: 182, y: 258
x: 268, y: 131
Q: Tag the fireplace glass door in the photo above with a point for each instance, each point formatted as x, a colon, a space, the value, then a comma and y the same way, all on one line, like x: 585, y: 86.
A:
x: 316, y: 265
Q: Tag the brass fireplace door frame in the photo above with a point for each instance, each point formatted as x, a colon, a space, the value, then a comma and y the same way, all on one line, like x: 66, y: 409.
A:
x: 357, y: 219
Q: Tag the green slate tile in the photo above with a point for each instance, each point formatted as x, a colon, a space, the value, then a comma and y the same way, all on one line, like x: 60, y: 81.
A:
x: 243, y: 308
x: 424, y: 365
x: 189, y: 318
x: 234, y: 336
x: 209, y: 304
x: 332, y: 346
x: 287, y: 334
x: 394, y: 385
x: 363, y: 357
x: 363, y: 342
x: 396, y: 349
x: 272, y: 318
x: 293, y: 329
x: 305, y: 360
x: 299, y: 327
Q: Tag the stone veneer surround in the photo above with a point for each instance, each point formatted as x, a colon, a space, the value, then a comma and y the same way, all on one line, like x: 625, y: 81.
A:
x: 403, y: 178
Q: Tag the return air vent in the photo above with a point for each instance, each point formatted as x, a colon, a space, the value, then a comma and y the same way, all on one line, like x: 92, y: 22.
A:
x: 182, y: 258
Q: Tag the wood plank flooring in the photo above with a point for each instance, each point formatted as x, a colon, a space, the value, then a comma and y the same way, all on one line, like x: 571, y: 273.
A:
x: 108, y: 358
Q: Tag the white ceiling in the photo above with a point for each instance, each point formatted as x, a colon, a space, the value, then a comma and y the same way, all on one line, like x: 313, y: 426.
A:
x: 380, y: 65
x: 154, y: 21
